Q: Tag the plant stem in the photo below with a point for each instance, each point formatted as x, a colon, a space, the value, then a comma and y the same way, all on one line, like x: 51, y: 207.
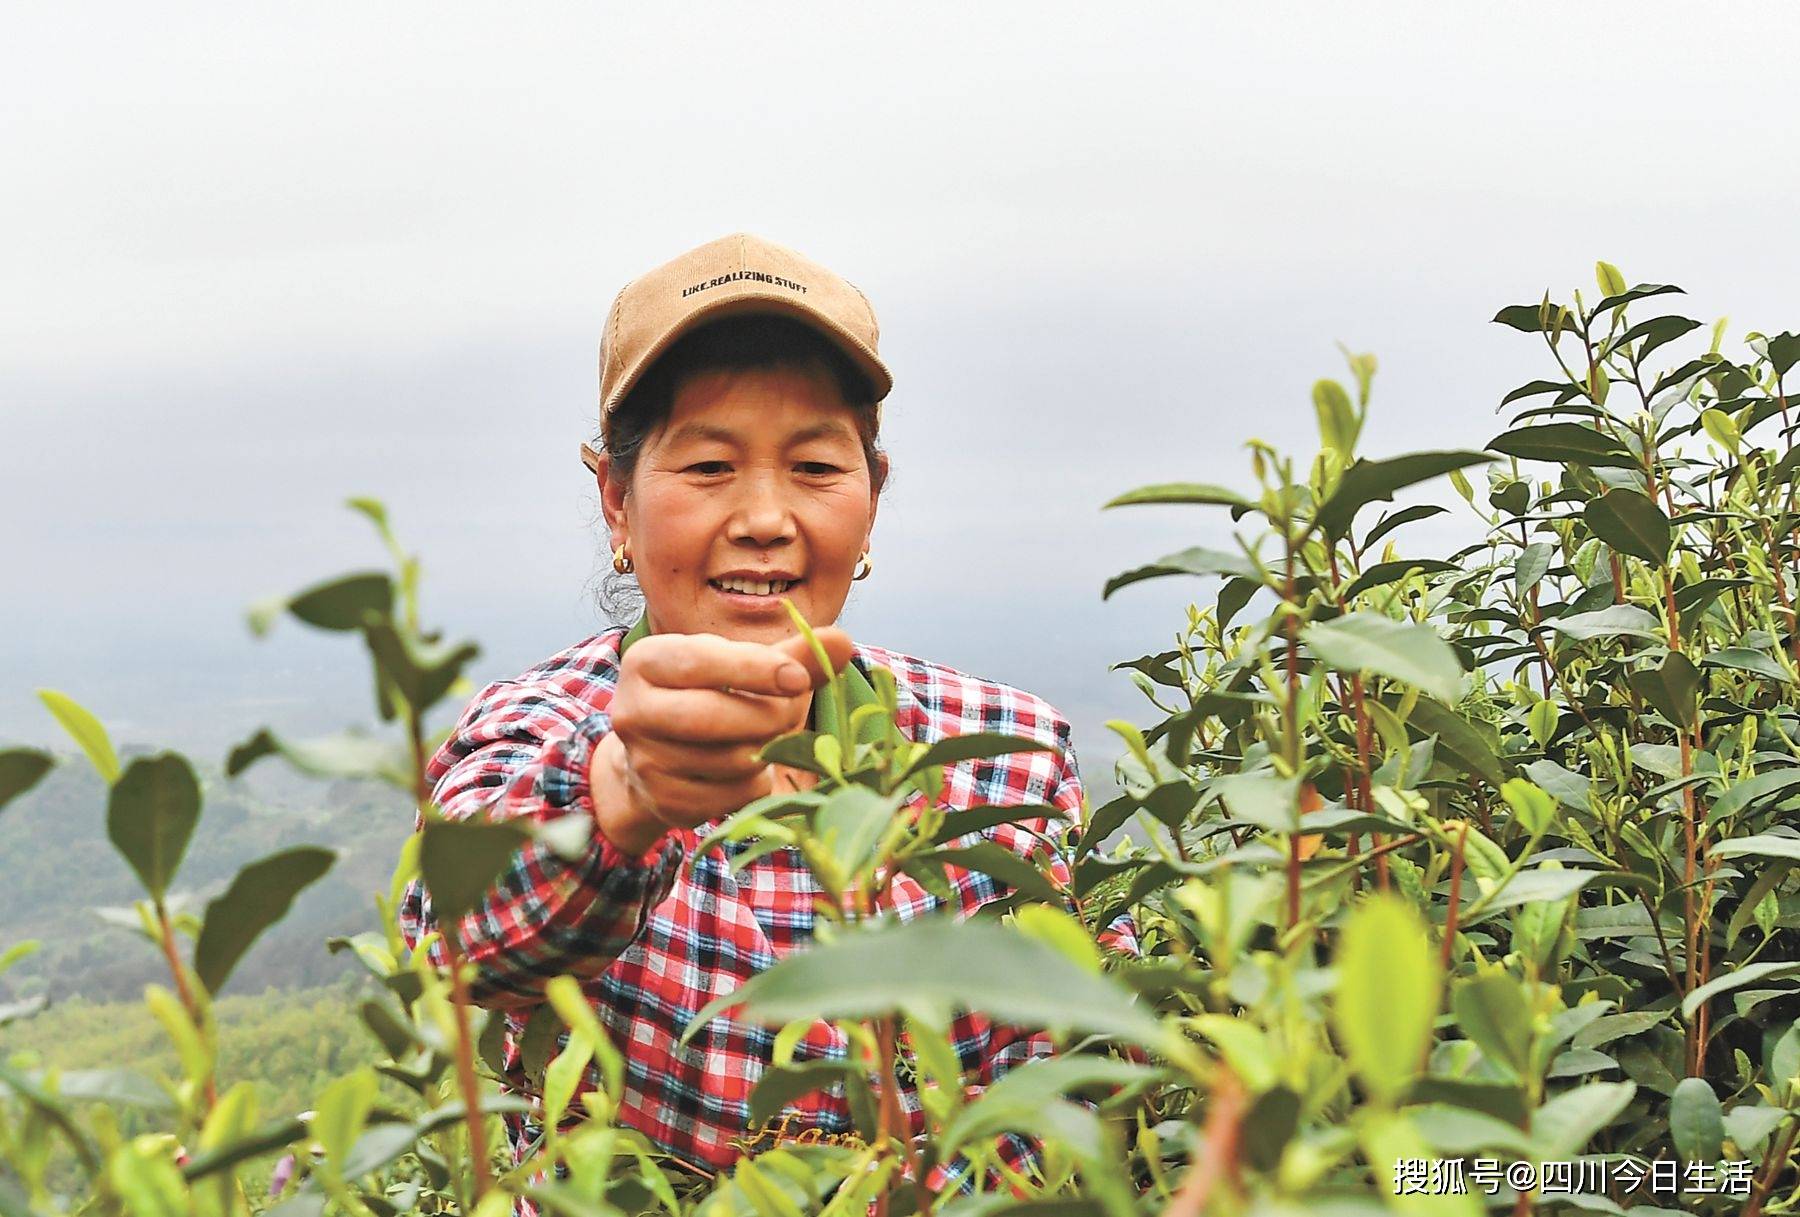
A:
x: 1456, y: 873
x: 1772, y: 1168
x: 465, y: 1069
x: 1220, y: 1142
x: 1293, y: 723
x: 185, y: 992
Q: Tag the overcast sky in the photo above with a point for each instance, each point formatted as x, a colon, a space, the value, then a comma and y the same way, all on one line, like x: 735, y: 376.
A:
x: 255, y: 263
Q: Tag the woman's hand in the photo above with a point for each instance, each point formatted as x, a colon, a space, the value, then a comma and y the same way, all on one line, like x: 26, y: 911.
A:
x: 690, y: 713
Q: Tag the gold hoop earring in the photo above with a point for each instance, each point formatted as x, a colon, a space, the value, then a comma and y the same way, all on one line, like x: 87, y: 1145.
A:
x: 621, y: 562
x: 865, y: 566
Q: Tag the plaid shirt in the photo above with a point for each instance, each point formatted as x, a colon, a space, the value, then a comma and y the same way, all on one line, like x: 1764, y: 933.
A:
x: 654, y: 938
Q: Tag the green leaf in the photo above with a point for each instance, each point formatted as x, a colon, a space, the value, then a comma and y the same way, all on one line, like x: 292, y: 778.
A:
x: 1389, y: 986
x: 966, y: 820
x: 1696, y: 1121
x: 1612, y: 283
x: 1640, y: 292
x: 1563, y: 443
x: 421, y: 671
x: 1057, y: 927
x: 258, y: 897
x: 1337, y: 417
x: 1656, y: 332
x: 1366, y: 482
x: 1405, y: 515
x: 1264, y: 799
x: 976, y: 746
x: 1750, y: 974
x: 361, y: 757
x: 1619, y: 621
x: 1460, y: 742
x: 1744, y: 659
x: 344, y: 603
x: 20, y: 770
x: 85, y: 730
x: 1566, y: 1123
x: 1536, y: 319
x: 930, y: 967
x: 1673, y: 688
x: 1537, y: 886
x: 115, y: 1087
x: 342, y: 1109
x: 1765, y: 845
x: 1491, y: 1010
x: 1407, y: 651
x: 1531, y: 805
x: 1743, y: 795
x: 150, y: 816
x: 1381, y: 574
x: 1749, y: 1125
x: 781, y: 1086
x: 1631, y: 523
x: 1197, y: 560
x: 1004, y: 865
x: 459, y: 860
x: 1180, y: 492
x: 1532, y: 565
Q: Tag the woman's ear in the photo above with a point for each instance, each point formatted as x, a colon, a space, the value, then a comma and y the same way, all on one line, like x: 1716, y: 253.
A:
x: 612, y: 500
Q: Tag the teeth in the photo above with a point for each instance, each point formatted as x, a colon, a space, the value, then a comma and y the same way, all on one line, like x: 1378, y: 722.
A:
x: 753, y: 587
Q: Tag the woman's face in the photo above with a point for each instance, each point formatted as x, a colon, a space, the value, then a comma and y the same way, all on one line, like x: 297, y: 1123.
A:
x: 753, y: 489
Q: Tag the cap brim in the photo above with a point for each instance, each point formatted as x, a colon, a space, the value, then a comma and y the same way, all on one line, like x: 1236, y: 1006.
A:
x: 881, y: 381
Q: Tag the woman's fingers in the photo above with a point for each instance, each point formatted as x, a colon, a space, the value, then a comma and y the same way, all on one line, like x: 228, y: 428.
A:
x: 707, y: 716
x: 706, y: 661
x: 837, y: 645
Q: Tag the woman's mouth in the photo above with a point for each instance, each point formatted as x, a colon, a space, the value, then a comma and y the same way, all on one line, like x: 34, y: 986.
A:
x: 753, y: 587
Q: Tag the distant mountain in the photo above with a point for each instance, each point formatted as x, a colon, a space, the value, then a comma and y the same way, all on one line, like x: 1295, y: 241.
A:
x: 59, y: 866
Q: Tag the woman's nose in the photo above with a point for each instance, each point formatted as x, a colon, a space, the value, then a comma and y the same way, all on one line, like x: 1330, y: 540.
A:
x: 761, y: 513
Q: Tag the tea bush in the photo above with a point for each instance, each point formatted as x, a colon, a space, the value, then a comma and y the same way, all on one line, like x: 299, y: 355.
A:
x: 1459, y: 882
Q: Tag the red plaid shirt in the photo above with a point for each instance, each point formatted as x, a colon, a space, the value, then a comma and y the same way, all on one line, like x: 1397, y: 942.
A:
x: 654, y: 938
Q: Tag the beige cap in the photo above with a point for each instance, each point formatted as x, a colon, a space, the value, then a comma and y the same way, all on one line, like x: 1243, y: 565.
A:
x: 741, y: 273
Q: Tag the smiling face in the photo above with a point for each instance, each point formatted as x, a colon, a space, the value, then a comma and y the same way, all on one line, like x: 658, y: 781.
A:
x: 755, y: 487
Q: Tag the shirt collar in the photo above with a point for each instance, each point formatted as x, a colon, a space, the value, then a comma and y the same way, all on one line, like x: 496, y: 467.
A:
x: 823, y: 719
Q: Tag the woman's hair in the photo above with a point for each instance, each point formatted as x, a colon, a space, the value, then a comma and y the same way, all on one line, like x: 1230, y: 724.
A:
x: 757, y: 341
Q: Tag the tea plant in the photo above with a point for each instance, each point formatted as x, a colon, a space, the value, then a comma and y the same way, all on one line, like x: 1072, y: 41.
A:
x: 1437, y: 862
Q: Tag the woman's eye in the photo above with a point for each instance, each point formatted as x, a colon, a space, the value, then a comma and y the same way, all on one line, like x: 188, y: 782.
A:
x: 818, y: 468
x: 708, y: 468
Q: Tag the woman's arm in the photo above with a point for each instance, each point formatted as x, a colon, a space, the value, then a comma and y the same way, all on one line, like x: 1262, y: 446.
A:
x: 522, y: 751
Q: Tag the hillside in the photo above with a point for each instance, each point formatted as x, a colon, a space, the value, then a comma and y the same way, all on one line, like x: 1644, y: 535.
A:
x: 60, y: 867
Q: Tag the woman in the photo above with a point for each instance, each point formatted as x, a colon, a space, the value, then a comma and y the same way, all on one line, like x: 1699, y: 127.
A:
x: 740, y: 389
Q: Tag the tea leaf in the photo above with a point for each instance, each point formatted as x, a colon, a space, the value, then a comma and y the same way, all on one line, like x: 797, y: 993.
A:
x: 1673, y: 687
x: 1631, y: 523
x: 1696, y: 1121
x: 258, y: 897
x: 1490, y: 1009
x: 20, y: 770
x: 1619, y: 621
x: 150, y: 817
x: 929, y: 967
x: 461, y: 859
x: 1389, y: 986
x: 85, y: 730
x: 1563, y: 443
x: 1407, y: 651
x: 1180, y: 492
x: 1749, y: 974
x: 1367, y: 482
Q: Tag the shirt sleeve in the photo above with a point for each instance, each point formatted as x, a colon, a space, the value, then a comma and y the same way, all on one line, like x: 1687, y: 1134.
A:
x: 521, y: 752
